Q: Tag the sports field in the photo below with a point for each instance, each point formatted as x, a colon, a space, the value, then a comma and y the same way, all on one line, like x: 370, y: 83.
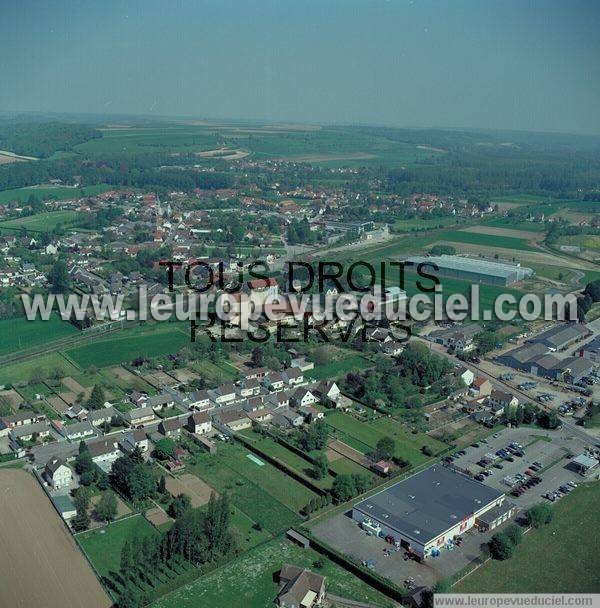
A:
x: 248, y: 581
x: 41, y: 564
x: 559, y: 558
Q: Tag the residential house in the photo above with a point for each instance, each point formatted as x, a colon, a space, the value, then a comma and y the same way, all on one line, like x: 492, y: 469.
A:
x: 225, y: 393
x: 57, y: 473
x: 250, y: 387
x: 30, y: 432
x: 170, y: 427
x: 293, y: 376
x: 236, y: 420
x: 78, y: 430
x: 200, y: 400
x: 300, y: 588
x: 280, y: 399
x: 501, y: 399
x: 327, y: 389
x: 303, y: 397
x: 310, y: 413
x: 104, y: 452
x: 139, y: 415
x: 274, y: 381
x: 103, y: 416
x: 302, y: 364
x: 161, y: 401
x: 135, y: 438
x: 199, y: 423
x: 481, y: 387
x: 264, y: 414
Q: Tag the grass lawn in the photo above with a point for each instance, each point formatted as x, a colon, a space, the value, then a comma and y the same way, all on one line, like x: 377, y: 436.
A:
x: 145, y: 340
x: 276, y: 450
x: 103, y: 546
x: 248, y: 581
x: 339, y: 368
x: 265, y: 494
x: 42, y: 222
x: 560, y: 558
x: 363, y: 436
x: 19, y: 333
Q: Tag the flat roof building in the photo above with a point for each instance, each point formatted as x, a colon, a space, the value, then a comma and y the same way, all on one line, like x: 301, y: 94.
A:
x: 426, y: 511
x: 476, y: 270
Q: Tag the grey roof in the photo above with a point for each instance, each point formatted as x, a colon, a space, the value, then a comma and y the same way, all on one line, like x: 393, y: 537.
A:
x: 561, y: 334
x: 492, y: 515
x: 526, y: 353
x: 429, y: 503
x: 29, y: 429
x: 455, y: 262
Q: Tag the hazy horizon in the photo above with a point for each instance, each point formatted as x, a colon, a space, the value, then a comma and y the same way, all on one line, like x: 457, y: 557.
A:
x: 523, y: 66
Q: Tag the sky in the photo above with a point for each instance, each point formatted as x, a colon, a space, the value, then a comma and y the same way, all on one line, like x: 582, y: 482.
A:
x: 497, y: 64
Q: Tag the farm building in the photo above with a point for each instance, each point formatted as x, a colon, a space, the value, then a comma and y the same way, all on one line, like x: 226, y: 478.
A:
x: 426, y: 511
x: 475, y: 270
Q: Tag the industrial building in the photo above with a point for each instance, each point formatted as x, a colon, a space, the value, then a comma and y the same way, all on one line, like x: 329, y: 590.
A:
x: 591, y: 350
x: 475, y: 270
x: 560, y: 336
x: 425, y: 512
x: 536, y: 359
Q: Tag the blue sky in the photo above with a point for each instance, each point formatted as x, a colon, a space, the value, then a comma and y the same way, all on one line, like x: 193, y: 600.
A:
x: 502, y: 64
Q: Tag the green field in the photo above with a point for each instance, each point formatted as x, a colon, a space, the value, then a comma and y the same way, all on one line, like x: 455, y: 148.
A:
x: 103, y: 546
x: 59, y: 193
x: 560, y: 558
x: 42, y: 222
x: 145, y: 340
x: 276, y: 450
x: 321, y: 146
x: 474, y: 238
x: 263, y: 493
x: 19, y: 333
x: 248, y: 581
x: 363, y: 436
x: 45, y: 364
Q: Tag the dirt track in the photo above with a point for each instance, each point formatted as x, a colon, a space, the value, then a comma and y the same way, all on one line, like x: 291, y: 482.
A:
x: 41, y: 564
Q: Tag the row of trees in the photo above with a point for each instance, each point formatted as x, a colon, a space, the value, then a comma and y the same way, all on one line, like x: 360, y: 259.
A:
x: 503, y: 544
x: 196, y: 536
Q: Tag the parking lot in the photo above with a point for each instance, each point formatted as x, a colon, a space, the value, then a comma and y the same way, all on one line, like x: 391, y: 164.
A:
x: 548, y: 448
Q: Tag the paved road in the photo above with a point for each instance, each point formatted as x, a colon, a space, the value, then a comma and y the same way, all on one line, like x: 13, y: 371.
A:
x: 572, y: 428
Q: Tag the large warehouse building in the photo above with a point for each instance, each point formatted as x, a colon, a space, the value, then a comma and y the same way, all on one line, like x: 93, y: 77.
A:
x: 475, y: 270
x: 426, y: 511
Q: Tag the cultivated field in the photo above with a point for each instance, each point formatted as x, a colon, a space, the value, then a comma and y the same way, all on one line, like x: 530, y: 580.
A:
x: 509, y: 232
x: 41, y: 565
x: 198, y: 491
